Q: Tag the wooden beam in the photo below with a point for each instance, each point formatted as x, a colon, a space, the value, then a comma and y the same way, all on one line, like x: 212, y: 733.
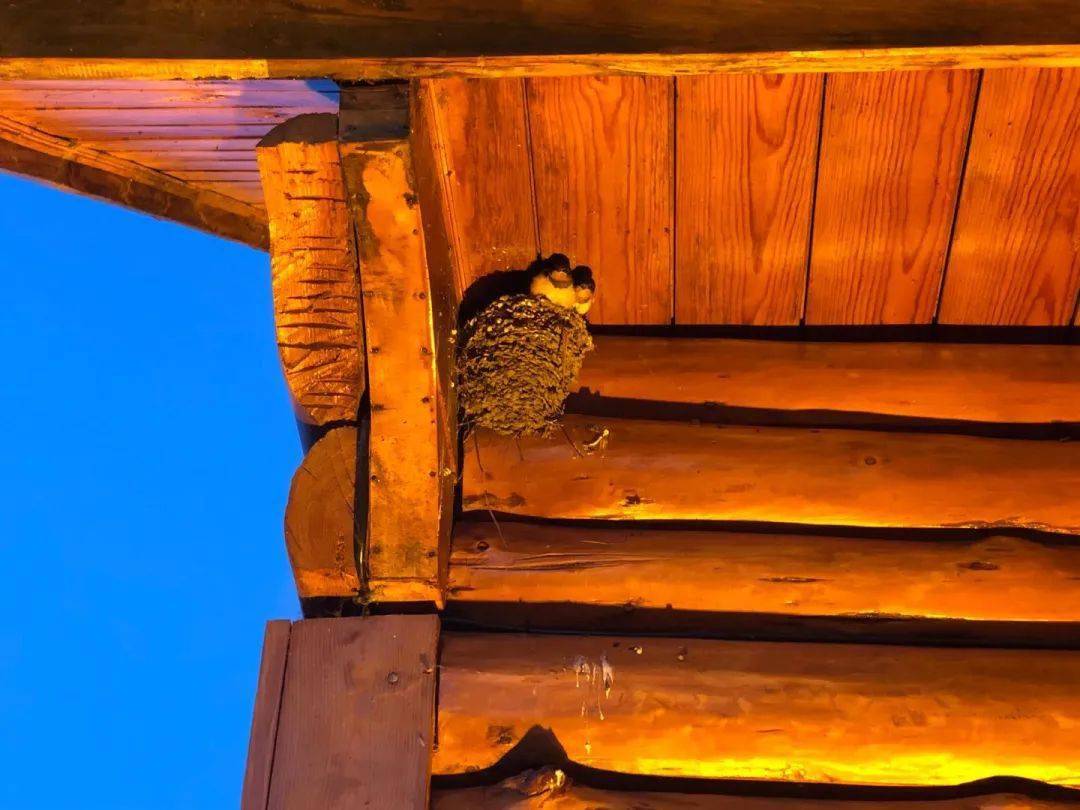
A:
x: 264, y: 722
x: 357, y: 714
x: 629, y: 469
x: 551, y: 789
x: 982, y: 383
x: 320, y: 518
x: 407, y: 283
x: 992, y: 578
x: 62, y: 162
x: 313, y: 266
x: 836, y: 713
x: 276, y: 39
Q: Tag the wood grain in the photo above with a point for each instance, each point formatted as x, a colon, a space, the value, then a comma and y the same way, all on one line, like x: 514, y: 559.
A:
x: 314, y: 271
x: 996, y: 578
x: 357, y: 714
x: 264, y: 721
x: 746, y: 150
x: 647, y: 470
x: 966, y: 381
x: 602, y: 151
x: 857, y: 714
x: 517, y: 793
x: 276, y: 29
x: 408, y: 453
x: 1016, y: 254
x: 481, y: 142
x: 119, y: 117
x: 892, y: 149
x: 66, y: 164
x: 320, y: 518
x: 840, y: 59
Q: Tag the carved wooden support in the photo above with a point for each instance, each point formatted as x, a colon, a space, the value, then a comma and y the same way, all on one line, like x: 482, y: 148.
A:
x: 314, y: 269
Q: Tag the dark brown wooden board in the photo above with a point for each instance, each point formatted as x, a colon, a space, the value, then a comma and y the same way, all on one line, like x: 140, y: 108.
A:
x: 892, y: 148
x: 264, y: 721
x: 1016, y: 255
x: 357, y: 714
x: 746, y: 151
x: 602, y: 152
x: 261, y: 29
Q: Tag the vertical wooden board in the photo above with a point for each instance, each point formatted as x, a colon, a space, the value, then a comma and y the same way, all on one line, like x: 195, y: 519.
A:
x: 1016, y: 254
x: 404, y: 483
x: 892, y: 152
x: 746, y: 149
x: 264, y: 721
x: 480, y: 140
x: 602, y: 158
x: 357, y: 715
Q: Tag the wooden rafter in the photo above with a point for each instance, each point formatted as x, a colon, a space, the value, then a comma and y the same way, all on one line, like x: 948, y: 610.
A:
x: 634, y: 469
x: 943, y: 381
x: 791, y: 712
x: 63, y: 162
x: 907, y: 576
x: 249, y: 39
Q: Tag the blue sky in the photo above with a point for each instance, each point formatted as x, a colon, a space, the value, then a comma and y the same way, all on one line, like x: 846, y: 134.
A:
x: 148, y: 447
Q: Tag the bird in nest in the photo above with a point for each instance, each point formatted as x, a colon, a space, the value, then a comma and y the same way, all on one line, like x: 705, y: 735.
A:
x: 555, y: 281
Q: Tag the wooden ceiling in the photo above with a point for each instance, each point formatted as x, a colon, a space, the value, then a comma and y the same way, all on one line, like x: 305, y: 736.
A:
x: 902, y: 197
x: 203, y: 133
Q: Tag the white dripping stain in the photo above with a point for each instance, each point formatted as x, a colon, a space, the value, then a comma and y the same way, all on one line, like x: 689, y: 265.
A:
x: 597, y: 678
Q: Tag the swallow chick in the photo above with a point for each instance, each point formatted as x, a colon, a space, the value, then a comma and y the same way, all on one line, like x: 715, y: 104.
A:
x: 584, y: 288
x: 554, y: 281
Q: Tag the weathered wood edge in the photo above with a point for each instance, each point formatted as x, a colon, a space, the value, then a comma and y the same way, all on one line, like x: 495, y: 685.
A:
x: 857, y: 60
x: 264, y: 721
x: 64, y: 163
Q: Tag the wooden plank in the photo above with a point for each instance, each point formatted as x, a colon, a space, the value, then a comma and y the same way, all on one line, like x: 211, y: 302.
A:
x: 481, y: 143
x: 602, y: 151
x: 314, y: 271
x: 964, y: 381
x: 536, y: 789
x: 831, y: 60
x: 66, y: 164
x: 357, y: 714
x: 124, y: 118
x: 996, y: 578
x: 409, y: 456
x: 746, y: 151
x: 648, y: 470
x: 791, y: 712
x: 320, y: 518
x: 250, y: 30
x: 1016, y: 254
x: 892, y: 149
x: 264, y: 721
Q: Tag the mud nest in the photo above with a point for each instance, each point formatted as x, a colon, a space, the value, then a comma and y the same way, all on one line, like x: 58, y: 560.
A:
x: 518, y: 361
